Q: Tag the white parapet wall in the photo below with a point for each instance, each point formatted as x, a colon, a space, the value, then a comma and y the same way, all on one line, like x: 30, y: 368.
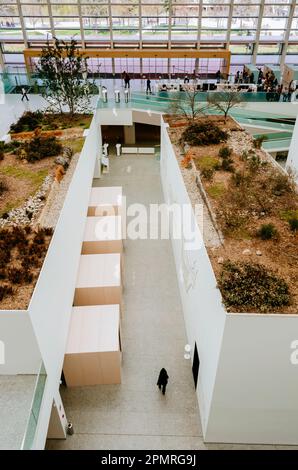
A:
x: 247, y: 387
x: 51, y: 303
x: 292, y: 160
x: 204, y: 314
x: 41, y: 331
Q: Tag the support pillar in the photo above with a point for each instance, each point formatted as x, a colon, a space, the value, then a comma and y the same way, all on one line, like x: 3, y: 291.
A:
x: 130, y: 134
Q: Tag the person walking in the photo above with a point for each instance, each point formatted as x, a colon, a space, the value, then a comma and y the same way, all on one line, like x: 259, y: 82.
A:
x: 24, y: 94
x: 148, y: 86
x: 162, y: 380
x: 126, y: 81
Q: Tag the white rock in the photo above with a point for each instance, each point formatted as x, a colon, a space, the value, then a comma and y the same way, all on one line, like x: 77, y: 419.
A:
x: 246, y: 251
x: 258, y: 253
x: 220, y: 260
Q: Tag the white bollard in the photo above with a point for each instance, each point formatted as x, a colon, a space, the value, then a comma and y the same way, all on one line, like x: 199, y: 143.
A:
x: 117, y: 96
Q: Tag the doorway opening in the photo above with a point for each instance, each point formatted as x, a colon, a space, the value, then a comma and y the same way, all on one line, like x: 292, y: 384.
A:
x: 195, y: 365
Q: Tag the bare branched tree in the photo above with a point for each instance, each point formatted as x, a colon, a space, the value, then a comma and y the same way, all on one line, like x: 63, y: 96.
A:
x: 224, y: 101
x: 187, y: 104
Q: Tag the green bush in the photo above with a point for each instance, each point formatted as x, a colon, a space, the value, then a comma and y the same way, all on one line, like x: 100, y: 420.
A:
x: 3, y: 187
x: 293, y: 223
x: 247, y: 286
x: 267, y: 231
x: 208, y: 173
x: 39, y: 148
x: 224, y: 152
x: 254, y: 163
x: 203, y: 133
x: 282, y: 184
x: 227, y: 165
x: 29, y: 121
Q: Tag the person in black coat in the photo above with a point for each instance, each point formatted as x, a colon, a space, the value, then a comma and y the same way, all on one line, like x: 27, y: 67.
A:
x: 162, y: 380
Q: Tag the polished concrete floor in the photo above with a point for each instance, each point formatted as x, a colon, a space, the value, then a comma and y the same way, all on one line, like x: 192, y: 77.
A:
x: 135, y: 415
x: 16, y: 393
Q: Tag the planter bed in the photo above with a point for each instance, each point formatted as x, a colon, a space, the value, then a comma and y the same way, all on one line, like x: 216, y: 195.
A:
x: 253, y: 194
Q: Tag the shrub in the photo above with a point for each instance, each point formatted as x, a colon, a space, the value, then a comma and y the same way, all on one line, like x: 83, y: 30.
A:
x: 227, y: 165
x: 224, y: 152
x: 247, y: 286
x: 293, y: 223
x: 3, y: 187
x: 208, y: 173
x: 259, y: 140
x: 20, y: 276
x: 203, y: 133
x: 267, y: 231
x: 29, y: 121
x: 39, y: 148
x: 254, y: 163
x: 282, y: 184
x: 39, y: 238
x: 1, y: 155
x: 239, y: 179
x: 5, y: 291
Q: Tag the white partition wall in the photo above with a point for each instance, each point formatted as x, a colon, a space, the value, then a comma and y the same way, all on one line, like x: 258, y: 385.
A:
x: 247, y: 387
x: 51, y: 303
x: 292, y: 160
x: 203, y: 312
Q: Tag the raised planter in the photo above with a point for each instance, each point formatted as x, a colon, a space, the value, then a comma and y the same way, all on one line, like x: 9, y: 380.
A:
x: 247, y: 385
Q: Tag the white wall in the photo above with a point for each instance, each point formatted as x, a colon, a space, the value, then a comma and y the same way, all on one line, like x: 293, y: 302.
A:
x: 248, y: 388
x: 51, y: 303
x: 116, y: 117
x: 292, y: 160
x: 22, y: 354
x: 256, y: 392
x: 203, y: 311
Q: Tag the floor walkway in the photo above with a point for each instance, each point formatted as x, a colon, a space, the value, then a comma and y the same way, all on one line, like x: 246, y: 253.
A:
x: 135, y: 415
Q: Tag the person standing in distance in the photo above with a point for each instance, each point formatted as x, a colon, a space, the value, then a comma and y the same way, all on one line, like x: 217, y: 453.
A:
x: 148, y: 87
x: 162, y: 380
x: 24, y: 94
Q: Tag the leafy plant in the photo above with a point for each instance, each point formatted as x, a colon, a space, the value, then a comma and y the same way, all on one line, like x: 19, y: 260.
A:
x: 254, y: 163
x: 208, y: 173
x: 282, y: 184
x: 247, y: 286
x: 203, y: 133
x: 224, y: 152
x: 293, y: 223
x: 227, y: 165
x: 5, y: 291
x: 3, y: 187
x: 61, y: 67
x: 29, y: 121
x: 39, y: 148
x: 267, y: 232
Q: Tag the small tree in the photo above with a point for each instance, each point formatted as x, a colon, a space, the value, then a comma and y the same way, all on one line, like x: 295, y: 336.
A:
x: 61, y: 67
x: 224, y: 101
x: 187, y: 105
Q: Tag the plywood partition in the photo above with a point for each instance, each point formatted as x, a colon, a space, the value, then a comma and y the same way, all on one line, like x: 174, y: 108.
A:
x: 93, y: 354
x: 103, y: 235
x: 99, y: 280
x: 105, y: 201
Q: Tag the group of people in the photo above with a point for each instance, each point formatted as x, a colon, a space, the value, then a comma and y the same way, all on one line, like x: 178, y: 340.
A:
x: 244, y: 77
